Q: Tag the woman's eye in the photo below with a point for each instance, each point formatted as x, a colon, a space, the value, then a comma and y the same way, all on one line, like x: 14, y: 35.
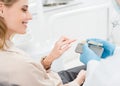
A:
x: 23, y: 9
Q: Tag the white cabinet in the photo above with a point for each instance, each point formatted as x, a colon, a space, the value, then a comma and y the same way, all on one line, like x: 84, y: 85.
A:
x: 81, y: 21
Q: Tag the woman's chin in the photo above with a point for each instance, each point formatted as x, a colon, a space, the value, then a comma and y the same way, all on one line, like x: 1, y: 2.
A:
x: 23, y: 32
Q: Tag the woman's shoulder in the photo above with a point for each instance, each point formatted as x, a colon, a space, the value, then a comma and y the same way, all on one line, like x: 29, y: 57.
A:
x: 17, y: 62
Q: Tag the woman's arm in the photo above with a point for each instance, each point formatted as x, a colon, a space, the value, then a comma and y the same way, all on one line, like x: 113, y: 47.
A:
x: 62, y: 45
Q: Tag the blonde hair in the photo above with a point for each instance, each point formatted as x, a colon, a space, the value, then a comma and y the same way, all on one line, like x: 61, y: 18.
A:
x: 3, y: 27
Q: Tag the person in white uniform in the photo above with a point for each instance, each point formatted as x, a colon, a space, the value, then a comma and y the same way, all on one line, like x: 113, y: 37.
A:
x: 104, y: 70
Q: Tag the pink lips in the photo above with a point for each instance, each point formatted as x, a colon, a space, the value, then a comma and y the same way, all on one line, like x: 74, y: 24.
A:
x: 25, y: 23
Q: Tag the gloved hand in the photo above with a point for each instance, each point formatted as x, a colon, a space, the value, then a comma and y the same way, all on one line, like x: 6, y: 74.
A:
x: 108, y: 47
x: 88, y: 54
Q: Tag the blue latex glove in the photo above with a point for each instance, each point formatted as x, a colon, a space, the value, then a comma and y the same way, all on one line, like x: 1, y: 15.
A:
x: 108, y: 47
x: 88, y: 54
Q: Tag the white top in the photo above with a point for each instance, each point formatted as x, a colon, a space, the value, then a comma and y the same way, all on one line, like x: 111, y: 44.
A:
x: 105, y: 72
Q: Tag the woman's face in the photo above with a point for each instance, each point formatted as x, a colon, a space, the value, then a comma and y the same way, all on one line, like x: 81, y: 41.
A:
x: 17, y: 17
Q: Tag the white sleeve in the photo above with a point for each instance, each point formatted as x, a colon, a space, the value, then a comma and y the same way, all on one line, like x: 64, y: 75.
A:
x: 100, y: 71
x: 91, y: 66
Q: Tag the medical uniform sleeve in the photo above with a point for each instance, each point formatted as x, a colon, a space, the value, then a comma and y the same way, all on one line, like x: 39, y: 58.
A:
x: 91, y: 67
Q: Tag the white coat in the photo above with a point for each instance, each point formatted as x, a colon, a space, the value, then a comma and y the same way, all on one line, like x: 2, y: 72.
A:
x: 105, y: 72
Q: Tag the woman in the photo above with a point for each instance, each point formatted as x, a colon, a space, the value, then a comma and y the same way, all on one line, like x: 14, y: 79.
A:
x: 17, y: 69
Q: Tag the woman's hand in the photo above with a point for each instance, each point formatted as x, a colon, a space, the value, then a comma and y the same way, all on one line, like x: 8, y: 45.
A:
x: 81, y: 77
x: 62, y: 45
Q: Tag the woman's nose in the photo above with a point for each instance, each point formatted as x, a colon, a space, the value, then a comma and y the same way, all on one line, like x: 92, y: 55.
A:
x: 29, y: 16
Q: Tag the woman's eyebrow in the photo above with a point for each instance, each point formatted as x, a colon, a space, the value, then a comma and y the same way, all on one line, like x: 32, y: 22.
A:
x: 26, y: 6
